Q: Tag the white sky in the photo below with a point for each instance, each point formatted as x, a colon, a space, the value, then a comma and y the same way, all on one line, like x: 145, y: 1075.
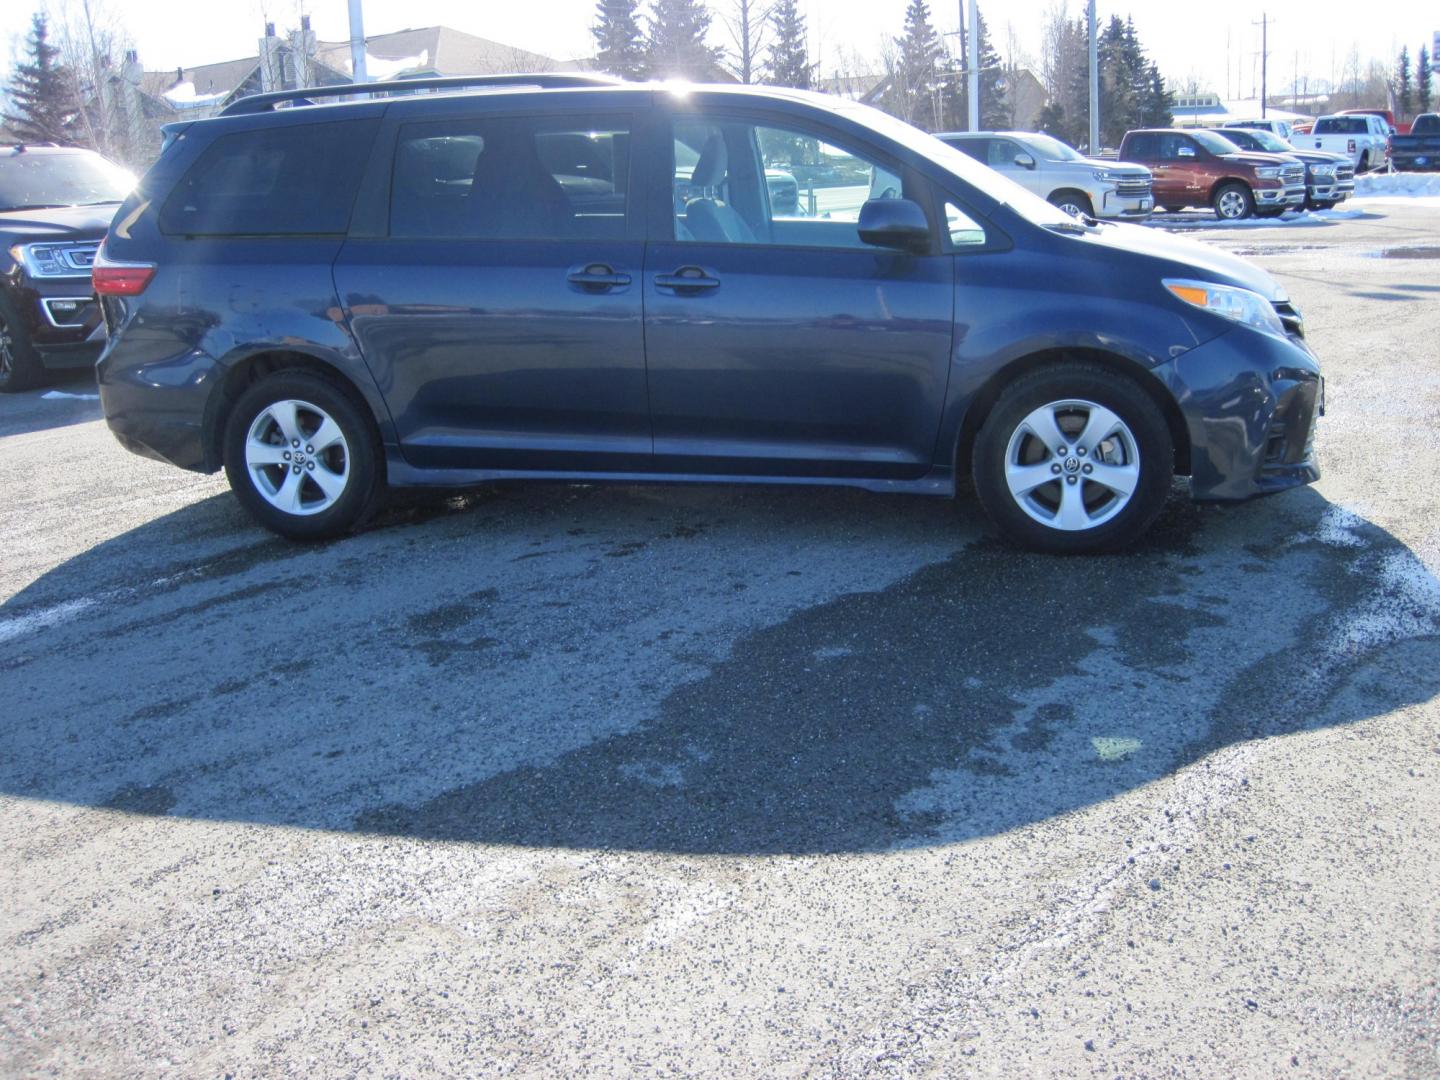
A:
x: 1218, y: 48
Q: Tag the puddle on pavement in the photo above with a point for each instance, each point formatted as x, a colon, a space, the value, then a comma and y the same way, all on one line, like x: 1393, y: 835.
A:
x: 1277, y: 249
x: 1421, y: 252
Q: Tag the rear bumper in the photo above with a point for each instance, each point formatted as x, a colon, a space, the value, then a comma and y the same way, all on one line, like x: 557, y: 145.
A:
x: 1250, y: 403
x: 158, y: 410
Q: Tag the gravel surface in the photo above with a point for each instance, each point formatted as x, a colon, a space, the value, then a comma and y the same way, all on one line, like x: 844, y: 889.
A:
x: 730, y: 782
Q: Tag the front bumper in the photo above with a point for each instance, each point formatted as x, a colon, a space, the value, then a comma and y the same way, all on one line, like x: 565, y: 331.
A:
x: 61, y: 319
x: 1112, y: 204
x: 1291, y: 195
x: 1250, y: 403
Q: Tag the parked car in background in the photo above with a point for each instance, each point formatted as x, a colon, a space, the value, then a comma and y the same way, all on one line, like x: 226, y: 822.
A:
x: 1397, y: 127
x: 1329, y: 178
x: 1061, y: 175
x: 1421, y: 148
x: 1364, y: 139
x: 290, y: 297
x: 1199, y: 167
x: 55, y: 203
x: 1282, y: 128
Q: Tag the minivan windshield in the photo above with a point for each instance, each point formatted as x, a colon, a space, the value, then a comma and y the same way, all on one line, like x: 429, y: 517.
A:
x: 34, y: 180
x: 1031, y: 207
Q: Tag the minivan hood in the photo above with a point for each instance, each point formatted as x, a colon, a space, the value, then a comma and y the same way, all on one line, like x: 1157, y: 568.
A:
x: 1195, y: 259
x: 59, y: 222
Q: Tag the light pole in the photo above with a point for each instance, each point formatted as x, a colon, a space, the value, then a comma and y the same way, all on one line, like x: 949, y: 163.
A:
x: 357, y: 43
x: 1094, y: 83
x: 973, y: 62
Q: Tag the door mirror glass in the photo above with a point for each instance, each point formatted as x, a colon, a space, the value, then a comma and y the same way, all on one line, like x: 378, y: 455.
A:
x: 1025, y: 161
x: 895, y: 223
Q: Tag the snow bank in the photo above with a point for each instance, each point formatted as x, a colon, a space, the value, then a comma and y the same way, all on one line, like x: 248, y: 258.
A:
x: 1409, y: 185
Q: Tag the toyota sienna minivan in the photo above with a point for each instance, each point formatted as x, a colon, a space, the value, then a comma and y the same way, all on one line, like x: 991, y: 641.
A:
x: 560, y: 277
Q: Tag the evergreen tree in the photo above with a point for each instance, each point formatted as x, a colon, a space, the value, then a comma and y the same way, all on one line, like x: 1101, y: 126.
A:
x: 1158, y: 104
x: 789, y: 63
x: 620, y: 44
x: 42, y: 92
x: 1051, y: 120
x: 916, y: 84
x: 1422, y: 79
x: 1404, y: 89
x: 675, y: 46
x: 996, y: 113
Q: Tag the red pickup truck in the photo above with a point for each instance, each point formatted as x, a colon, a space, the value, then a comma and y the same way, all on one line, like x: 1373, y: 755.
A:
x: 1203, y: 168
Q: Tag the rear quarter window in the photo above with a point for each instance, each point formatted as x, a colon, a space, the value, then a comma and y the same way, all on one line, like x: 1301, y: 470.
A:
x: 295, y: 180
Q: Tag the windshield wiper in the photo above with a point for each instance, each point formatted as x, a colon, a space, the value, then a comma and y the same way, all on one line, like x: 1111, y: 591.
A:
x: 102, y: 202
x: 1070, y: 228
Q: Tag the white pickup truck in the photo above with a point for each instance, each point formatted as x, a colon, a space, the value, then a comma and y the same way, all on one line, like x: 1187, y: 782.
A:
x: 1366, y: 139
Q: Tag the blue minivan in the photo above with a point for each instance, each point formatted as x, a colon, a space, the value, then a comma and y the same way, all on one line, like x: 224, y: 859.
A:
x: 451, y: 282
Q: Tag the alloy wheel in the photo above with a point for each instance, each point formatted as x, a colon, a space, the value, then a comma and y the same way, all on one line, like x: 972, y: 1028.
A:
x: 1072, y: 465
x: 1231, y: 204
x: 297, y: 457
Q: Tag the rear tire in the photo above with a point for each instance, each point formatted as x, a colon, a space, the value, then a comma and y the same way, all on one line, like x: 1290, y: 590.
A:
x: 20, y: 366
x: 1364, y: 165
x: 1233, y: 202
x: 303, y: 456
x: 1106, y: 488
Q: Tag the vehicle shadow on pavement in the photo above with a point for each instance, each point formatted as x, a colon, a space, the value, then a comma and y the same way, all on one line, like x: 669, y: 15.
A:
x: 73, y: 400
x: 471, y: 684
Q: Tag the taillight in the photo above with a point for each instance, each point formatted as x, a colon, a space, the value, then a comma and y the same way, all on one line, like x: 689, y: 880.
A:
x: 113, y: 278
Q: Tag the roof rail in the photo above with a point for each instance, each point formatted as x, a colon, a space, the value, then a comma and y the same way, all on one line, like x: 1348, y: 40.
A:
x: 259, y: 103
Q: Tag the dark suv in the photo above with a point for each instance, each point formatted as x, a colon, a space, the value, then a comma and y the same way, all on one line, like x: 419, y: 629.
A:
x: 55, y: 203
x: 503, y: 284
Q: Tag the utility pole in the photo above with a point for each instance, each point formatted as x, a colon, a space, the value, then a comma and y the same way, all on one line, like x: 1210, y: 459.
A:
x: 357, y: 43
x: 1094, y: 83
x: 1264, y: 59
x: 974, y: 62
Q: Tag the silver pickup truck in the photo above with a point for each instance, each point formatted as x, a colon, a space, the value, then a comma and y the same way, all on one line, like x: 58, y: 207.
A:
x: 1054, y: 171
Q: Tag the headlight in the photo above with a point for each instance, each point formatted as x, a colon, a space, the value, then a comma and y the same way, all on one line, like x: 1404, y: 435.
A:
x: 1322, y: 170
x: 1237, y: 305
x: 56, y: 260
x: 1103, y: 176
x: 1268, y: 172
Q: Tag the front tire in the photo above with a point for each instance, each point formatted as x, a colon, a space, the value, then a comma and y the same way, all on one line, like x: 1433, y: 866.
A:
x: 1364, y: 165
x: 1233, y: 202
x: 1075, y: 203
x: 303, y: 457
x: 1072, y: 459
x: 20, y: 366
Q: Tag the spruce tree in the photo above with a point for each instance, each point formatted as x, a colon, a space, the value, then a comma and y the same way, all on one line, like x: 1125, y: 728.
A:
x: 619, y: 41
x: 995, y: 111
x: 1422, y: 79
x: 42, y: 92
x: 1404, y: 90
x: 789, y: 61
x: 675, y: 45
x: 915, y: 90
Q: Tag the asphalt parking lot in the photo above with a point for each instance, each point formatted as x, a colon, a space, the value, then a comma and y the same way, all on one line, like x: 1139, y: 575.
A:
x: 731, y: 782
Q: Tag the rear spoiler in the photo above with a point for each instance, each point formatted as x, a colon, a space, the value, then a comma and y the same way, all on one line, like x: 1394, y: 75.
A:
x: 260, y: 103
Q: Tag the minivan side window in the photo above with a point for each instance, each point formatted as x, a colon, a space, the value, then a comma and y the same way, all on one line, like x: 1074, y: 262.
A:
x: 511, y: 178
x: 295, y: 180
x: 737, y: 182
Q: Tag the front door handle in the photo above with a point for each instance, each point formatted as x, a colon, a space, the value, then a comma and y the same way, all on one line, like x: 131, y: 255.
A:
x: 687, y: 279
x: 597, y: 277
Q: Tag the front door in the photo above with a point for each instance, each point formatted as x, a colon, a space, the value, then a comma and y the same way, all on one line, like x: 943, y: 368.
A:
x: 501, y: 316
x: 777, y: 341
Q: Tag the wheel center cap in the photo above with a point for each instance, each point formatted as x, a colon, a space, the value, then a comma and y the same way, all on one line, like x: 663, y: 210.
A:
x: 1072, y: 465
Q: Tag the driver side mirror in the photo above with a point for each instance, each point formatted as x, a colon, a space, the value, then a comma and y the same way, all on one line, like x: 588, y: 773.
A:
x: 895, y: 223
x: 1025, y: 161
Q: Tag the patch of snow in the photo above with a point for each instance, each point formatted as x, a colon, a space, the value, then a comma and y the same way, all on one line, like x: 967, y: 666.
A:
x: 62, y: 395
x: 1403, y: 185
x: 183, y: 96
x: 21, y: 625
x: 381, y: 68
